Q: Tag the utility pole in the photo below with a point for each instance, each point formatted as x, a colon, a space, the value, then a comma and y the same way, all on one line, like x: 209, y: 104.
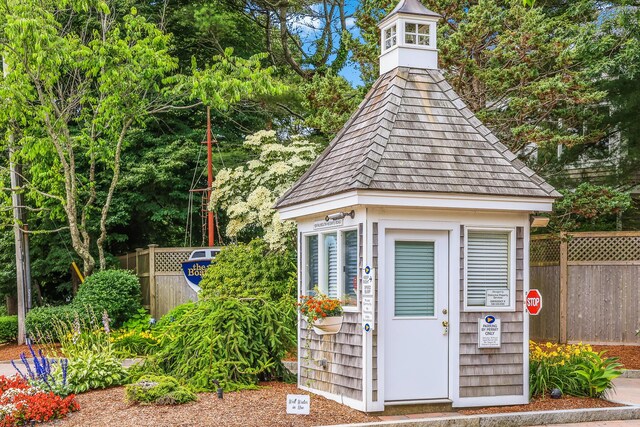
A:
x: 210, y: 222
x: 18, y: 217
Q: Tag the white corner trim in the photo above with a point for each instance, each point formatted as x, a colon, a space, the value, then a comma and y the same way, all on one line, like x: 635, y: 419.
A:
x: 416, y: 200
x: 352, y: 403
x: 468, y: 402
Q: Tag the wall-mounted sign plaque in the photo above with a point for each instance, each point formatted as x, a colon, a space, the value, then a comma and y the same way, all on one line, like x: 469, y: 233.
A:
x: 489, y: 332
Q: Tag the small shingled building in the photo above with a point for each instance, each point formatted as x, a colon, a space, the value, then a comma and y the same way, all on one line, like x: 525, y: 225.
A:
x: 418, y: 218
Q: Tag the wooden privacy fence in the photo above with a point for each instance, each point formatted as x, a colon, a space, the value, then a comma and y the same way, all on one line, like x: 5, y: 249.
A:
x: 161, y: 279
x: 590, y: 287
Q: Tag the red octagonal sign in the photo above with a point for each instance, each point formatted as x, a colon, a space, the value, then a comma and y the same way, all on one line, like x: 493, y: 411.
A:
x: 533, y: 301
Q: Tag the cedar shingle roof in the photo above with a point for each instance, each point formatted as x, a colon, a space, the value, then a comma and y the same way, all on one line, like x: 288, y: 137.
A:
x: 413, y: 133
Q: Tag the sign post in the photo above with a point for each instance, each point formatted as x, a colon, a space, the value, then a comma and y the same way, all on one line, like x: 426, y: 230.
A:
x: 533, y: 302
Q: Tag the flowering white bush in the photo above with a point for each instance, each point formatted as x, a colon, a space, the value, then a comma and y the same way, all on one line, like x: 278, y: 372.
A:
x: 247, y: 193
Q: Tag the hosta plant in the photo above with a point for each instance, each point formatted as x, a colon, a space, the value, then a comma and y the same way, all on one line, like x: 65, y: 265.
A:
x: 89, y: 371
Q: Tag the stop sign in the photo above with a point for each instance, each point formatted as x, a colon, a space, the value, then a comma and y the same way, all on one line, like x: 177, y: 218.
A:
x: 533, y: 301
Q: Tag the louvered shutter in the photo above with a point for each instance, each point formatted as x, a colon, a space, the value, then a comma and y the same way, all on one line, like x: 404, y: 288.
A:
x: 331, y: 262
x: 414, y: 278
x: 312, y: 263
x: 487, y: 264
x: 350, y: 251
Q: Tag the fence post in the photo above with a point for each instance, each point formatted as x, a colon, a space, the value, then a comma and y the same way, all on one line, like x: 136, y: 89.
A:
x: 564, y: 285
x: 152, y: 280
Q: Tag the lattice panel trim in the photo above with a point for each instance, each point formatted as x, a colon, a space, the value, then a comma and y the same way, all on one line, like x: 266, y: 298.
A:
x: 614, y: 248
x: 170, y: 261
x: 545, y: 251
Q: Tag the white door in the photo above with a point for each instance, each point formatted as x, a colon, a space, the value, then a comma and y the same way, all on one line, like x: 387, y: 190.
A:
x: 416, y: 291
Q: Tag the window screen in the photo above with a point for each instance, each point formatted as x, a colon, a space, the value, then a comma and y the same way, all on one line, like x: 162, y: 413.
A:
x: 487, y: 264
x: 350, y: 269
x: 331, y: 263
x: 312, y: 264
x: 414, y: 279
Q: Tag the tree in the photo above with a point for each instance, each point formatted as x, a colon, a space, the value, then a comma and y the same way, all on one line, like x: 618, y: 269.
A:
x: 81, y: 80
x: 588, y: 207
x: 248, y: 192
x: 309, y: 36
x: 524, y: 72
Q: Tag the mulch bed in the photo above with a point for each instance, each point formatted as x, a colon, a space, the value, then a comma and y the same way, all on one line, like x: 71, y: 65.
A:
x: 628, y: 355
x: 12, y: 351
x: 546, y: 404
x: 249, y: 408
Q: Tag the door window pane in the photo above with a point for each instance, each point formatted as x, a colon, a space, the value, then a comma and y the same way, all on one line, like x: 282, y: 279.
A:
x: 414, y: 279
x: 331, y: 264
x: 350, y: 269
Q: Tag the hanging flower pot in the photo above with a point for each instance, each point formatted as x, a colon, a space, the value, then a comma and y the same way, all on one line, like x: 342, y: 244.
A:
x: 327, y: 325
x: 323, y: 314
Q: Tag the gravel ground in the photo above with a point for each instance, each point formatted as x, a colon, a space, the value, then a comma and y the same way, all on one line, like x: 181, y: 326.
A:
x: 249, y: 408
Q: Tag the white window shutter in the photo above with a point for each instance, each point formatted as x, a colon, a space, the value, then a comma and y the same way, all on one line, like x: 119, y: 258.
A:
x: 487, y: 264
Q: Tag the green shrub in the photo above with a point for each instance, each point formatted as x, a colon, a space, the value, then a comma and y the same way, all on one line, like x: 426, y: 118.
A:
x: 8, y: 328
x: 116, y: 291
x: 235, y: 341
x: 41, y: 321
x: 158, y: 389
x: 131, y: 343
x: 575, y: 369
x: 251, y: 270
x: 91, y: 370
x: 175, y: 314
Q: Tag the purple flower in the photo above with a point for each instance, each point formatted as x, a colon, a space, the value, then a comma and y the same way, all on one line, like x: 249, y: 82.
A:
x: 105, y: 321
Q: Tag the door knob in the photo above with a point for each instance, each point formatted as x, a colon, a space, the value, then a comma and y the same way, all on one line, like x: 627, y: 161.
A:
x: 445, y: 325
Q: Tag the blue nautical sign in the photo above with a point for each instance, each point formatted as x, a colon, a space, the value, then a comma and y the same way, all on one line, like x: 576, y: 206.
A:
x: 489, y: 319
x: 194, y: 270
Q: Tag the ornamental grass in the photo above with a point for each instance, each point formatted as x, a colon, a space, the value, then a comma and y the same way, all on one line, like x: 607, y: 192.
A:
x: 575, y: 369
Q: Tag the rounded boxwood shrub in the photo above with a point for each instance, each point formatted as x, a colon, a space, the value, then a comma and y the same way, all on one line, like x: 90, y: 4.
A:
x: 251, y: 270
x: 41, y: 321
x: 116, y: 291
x: 158, y: 389
x: 8, y: 328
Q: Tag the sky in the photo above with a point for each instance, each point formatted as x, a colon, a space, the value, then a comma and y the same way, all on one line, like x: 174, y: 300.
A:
x: 308, y: 27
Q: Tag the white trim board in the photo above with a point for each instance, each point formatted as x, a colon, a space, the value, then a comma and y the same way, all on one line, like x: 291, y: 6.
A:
x: 468, y: 402
x: 420, y: 200
x: 352, y: 403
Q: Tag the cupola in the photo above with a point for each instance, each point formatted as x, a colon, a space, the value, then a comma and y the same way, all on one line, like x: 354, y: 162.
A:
x: 408, y: 37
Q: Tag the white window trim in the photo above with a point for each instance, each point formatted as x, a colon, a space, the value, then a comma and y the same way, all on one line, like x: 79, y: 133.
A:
x: 401, y: 34
x: 417, y: 34
x: 384, y: 39
x: 322, y: 267
x: 512, y: 270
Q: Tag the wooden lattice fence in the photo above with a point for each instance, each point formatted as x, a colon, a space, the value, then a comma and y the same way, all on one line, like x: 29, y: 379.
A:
x: 161, y: 279
x: 590, y: 285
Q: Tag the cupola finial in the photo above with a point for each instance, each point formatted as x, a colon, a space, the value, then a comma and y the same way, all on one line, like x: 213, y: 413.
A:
x: 408, y: 37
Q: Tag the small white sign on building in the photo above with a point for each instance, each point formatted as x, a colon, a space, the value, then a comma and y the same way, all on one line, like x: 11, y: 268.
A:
x: 498, y: 298
x: 489, y: 332
x: 299, y: 404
